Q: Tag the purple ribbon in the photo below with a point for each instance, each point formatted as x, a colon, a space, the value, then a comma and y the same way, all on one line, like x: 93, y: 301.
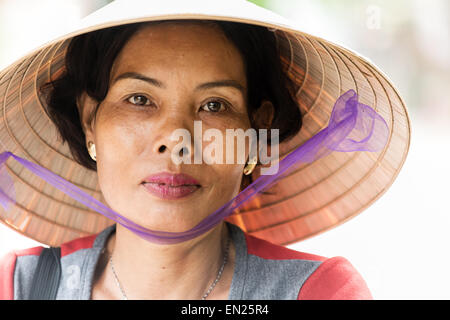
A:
x: 353, y: 126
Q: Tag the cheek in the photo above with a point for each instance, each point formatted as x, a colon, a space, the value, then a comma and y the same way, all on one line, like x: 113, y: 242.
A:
x: 227, y: 166
x: 226, y: 185
x: 229, y: 135
x: 115, y: 148
x: 229, y: 176
x: 116, y: 132
x: 115, y: 144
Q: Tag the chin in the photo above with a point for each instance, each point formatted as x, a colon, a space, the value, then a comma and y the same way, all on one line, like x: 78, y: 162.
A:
x: 167, y: 219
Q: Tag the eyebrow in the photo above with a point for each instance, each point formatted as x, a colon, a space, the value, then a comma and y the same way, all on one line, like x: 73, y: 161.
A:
x: 207, y: 85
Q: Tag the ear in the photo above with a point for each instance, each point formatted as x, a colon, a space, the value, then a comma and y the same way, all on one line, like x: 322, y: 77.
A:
x: 263, y: 116
x: 86, y: 109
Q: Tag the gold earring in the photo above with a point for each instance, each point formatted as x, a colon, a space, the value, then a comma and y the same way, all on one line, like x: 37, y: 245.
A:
x: 248, y: 169
x: 91, y: 150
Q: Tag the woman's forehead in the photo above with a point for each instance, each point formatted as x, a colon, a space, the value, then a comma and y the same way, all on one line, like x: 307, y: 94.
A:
x: 181, y: 47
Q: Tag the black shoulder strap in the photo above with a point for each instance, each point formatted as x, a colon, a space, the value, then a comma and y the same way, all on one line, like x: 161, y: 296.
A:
x: 47, y: 275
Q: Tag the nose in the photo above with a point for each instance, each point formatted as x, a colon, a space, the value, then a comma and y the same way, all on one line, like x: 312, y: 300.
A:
x: 175, y: 138
x: 178, y: 151
x: 183, y: 150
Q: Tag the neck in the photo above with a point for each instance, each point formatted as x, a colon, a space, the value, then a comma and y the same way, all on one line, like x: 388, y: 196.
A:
x: 184, y: 270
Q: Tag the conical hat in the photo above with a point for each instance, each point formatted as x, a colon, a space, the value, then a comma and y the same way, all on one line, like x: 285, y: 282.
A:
x: 312, y: 199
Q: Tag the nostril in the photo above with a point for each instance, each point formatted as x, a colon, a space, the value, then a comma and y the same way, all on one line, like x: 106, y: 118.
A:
x: 183, y: 151
x: 162, y: 148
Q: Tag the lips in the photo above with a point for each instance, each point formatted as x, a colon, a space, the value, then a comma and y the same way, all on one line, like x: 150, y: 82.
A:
x: 171, y: 186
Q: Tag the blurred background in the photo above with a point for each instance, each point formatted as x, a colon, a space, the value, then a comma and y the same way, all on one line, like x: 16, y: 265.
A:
x: 399, y: 244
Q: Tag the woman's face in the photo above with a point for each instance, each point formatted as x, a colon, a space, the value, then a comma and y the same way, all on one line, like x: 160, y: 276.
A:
x: 136, y: 119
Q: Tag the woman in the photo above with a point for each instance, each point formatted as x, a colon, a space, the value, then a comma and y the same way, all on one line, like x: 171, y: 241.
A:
x: 123, y: 93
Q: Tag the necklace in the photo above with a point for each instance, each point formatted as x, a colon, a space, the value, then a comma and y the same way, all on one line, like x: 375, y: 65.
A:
x: 225, y: 259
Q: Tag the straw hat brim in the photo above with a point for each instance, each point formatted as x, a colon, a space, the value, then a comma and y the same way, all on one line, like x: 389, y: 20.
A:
x: 311, y: 200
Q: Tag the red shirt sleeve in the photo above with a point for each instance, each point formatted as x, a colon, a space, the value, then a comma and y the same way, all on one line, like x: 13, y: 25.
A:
x: 7, y: 266
x: 335, y: 279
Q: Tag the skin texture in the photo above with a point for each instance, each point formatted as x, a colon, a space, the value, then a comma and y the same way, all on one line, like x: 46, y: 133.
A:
x: 128, y: 138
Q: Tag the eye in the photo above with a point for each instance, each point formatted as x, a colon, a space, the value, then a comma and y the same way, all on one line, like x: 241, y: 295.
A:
x: 139, y: 100
x: 214, y: 106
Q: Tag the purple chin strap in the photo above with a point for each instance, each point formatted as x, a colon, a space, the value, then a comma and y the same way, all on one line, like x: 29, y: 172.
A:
x: 353, y: 126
